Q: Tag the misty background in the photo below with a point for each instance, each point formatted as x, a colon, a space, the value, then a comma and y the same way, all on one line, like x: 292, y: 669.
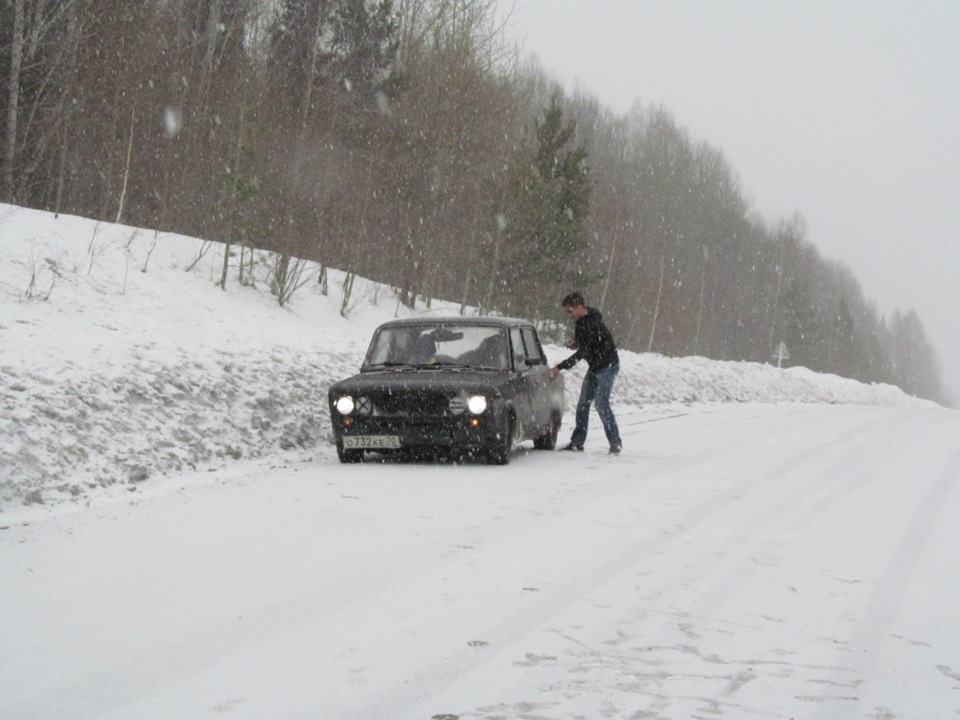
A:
x: 418, y: 143
x: 845, y: 112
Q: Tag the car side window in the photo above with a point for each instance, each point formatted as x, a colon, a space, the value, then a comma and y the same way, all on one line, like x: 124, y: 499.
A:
x: 535, y: 354
x: 519, y: 352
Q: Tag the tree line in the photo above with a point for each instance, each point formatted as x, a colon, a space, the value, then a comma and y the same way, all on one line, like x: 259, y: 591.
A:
x: 408, y: 141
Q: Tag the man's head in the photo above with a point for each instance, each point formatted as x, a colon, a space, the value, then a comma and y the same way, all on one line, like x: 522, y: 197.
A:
x: 574, y: 305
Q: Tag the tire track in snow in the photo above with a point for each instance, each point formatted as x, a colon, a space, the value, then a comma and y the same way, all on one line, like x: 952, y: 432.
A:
x: 734, y: 561
x: 714, y: 577
x: 883, y: 606
x: 733, y: 572
x: 515, y: 628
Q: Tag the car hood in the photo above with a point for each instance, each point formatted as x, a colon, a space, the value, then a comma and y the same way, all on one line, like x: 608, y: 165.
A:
x: 407, y: 380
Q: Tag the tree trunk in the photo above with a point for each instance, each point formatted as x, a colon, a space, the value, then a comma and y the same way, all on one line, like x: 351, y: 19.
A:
x: 656, y: 307
x: 13, y: 98
x: 347, y: 292
x: 703, y: 282
x: 775, y: 309
x: 468, y: 279
x: 494, y: 272
x: 606, y: 280
x: 61, y: 171
x: 126, y: 164
x: 233, y: 209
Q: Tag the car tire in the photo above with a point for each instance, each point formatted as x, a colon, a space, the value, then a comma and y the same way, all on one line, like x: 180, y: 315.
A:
x: 500, y: 453
x: 348, y: 456
x: 548, y: 441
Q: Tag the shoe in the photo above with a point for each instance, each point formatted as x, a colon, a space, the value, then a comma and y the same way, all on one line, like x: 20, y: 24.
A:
x: 571, y: 446
x: 615, y: 449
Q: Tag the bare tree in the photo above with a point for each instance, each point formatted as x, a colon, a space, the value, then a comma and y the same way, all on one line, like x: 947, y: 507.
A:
x: 13, y: 97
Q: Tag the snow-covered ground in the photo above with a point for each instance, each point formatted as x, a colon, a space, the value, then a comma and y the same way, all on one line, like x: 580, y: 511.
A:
x: 179, y: 541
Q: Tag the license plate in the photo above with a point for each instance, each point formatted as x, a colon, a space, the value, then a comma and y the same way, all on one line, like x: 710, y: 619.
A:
x: 371, y: 442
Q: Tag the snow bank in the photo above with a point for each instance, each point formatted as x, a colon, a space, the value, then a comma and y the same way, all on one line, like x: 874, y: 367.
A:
x: 121, y: 359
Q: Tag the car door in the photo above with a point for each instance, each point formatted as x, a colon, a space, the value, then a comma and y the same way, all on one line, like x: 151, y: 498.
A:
x: 521, y: 386
x: 533, y: 409
x: 539, y: 379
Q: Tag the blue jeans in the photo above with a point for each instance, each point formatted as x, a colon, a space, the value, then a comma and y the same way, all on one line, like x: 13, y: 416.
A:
x: 596, y: 388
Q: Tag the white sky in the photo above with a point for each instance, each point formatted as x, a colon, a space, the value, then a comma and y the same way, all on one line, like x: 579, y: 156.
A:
x: 846, y: 112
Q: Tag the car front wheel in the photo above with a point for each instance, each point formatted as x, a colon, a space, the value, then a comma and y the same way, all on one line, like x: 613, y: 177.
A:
x: 499, y: 454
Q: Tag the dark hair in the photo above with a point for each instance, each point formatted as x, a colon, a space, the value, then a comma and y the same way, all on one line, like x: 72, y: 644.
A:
x: 573, y: 300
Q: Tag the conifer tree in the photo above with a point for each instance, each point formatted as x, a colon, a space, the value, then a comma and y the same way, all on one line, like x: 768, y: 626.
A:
x: 545, y: 203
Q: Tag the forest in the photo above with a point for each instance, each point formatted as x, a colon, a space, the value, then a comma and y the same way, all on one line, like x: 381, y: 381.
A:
x: 411, y: 143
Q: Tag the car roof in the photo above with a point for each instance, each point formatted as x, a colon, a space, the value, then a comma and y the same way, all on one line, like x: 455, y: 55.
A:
x: 504, y: 322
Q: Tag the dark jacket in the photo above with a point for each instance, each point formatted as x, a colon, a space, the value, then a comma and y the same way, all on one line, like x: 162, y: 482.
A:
x: 594, y: 343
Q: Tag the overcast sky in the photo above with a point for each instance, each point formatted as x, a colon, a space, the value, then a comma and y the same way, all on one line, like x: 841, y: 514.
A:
x: 845, y: 111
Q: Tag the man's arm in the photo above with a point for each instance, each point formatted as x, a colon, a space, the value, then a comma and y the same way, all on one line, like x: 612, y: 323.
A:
x: 566, y: 364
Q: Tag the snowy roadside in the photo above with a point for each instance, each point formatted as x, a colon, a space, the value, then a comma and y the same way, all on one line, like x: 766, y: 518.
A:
x: 117, y: 365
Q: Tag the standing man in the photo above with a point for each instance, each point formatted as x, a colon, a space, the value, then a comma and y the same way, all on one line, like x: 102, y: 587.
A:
x: 594, y: 343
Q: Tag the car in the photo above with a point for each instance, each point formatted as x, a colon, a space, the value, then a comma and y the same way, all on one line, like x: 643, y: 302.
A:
x: 473, y: 386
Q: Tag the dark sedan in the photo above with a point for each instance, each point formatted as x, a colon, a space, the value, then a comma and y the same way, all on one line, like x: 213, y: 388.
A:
x: 474, y: 386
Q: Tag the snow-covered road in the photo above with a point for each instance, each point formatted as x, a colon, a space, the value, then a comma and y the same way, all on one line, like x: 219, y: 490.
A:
x: 749, y: 561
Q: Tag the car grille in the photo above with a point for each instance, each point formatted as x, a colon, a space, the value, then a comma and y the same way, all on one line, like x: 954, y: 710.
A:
x: 411, y: 404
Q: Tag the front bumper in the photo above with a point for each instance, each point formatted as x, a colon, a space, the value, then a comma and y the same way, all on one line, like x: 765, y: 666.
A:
x: 464, y: 432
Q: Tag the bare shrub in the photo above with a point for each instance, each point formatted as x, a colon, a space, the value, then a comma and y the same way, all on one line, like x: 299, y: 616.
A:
x: 287, y: 275
x: 42, y: 273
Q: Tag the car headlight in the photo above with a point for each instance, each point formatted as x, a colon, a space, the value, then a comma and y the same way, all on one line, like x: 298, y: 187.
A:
x: 344, y: 405
x: 477, y: 404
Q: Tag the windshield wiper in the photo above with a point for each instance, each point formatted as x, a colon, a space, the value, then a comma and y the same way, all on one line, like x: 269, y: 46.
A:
x: 452, y: 365
x: 396, y: 365
x: 442, y: 365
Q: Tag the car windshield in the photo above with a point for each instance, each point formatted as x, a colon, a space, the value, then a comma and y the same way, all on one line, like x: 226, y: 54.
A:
x: 431, y: 345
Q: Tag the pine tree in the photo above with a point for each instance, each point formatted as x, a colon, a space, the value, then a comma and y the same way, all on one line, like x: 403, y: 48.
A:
x: 545, y: 202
